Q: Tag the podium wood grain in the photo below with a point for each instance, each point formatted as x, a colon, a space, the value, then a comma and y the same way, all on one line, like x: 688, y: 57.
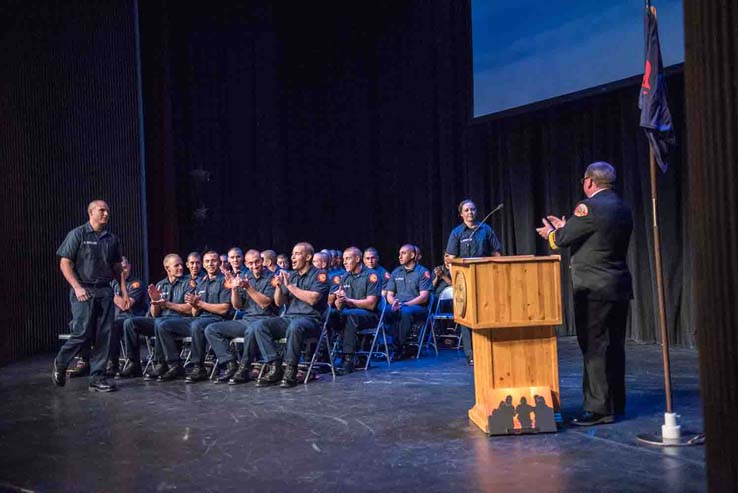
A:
x: 512, y: 305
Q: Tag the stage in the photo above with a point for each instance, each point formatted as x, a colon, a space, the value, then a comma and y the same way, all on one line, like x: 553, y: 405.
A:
x: 399, y: 430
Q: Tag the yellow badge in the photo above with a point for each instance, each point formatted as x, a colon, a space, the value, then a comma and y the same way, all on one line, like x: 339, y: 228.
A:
x: 581, y: 210
x: 135, y: 285
x: 274, y: 281
x: 373, y: 278
x: 336, y: 280
x: 322, y: 277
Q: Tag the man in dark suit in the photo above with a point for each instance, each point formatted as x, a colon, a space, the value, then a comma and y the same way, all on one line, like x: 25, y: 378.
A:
x: 598, y: 235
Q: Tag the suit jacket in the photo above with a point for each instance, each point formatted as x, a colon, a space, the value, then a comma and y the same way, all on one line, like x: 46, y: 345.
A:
x: 598, y: 235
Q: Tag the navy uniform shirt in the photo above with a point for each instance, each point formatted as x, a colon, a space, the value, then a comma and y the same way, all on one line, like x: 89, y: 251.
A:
x: 360, y: 286
x: 263, y: 285
x: 464, y: 242
x: 174, y: 293
x: 94, y: 254
x: 313, y: 280
x: 200, y: 276
x: 212, y: 291
x: 407, y: 284
x: 136, y: 293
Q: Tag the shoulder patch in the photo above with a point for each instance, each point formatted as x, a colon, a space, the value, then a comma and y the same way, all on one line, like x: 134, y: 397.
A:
x: 274, y: 282
x: 426, y: 274
x: 373, y: 278
x: 581, y: 210
x: 322, y: 277
x: 387, y: 275
x: 135, y: 284
x: 336, y: 280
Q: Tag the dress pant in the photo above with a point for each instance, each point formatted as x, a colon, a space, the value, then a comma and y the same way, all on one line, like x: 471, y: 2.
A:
x: 351, y: 320
x: 134, y: 327
x: 294, y: 328
x: 220, y: 334
x: 116, y: 334
x: 466, y: 340
x: 402, y: 321
x: 91, y: 321
x: 171, y: 329
x: 601, y: 335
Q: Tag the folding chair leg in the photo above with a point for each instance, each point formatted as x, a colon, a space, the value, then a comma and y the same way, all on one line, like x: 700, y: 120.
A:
x: 386, y: 348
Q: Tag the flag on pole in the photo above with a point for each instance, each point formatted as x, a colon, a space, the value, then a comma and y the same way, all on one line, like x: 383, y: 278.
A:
x: 655, y: 115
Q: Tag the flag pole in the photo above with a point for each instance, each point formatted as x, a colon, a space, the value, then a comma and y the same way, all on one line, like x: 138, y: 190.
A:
x: 660, y: 283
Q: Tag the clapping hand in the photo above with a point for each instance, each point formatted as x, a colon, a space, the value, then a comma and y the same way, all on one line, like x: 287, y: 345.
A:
x: 155, y: 295
x: 557, y: 222
x: 545, y: 230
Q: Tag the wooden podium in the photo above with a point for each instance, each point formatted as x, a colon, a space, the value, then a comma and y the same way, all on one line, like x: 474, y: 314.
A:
x: 512, y: 305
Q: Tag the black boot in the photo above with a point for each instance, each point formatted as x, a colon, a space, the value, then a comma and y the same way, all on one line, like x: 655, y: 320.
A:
x: 174, y: 372
x: 230, y: 370
x: 81, y: 369
x: 198, y: 374
x: 111, y: 370
x: 273, y: 375
x: 347, y: 366
x: 156, y: 371
x: 290, y: 377
x: 59, y: 375
x: 131, y: 370
x: 242, y: 375
x: 99, y: 384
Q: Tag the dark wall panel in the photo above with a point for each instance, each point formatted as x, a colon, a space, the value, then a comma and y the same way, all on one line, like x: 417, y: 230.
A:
x: 69, y: 133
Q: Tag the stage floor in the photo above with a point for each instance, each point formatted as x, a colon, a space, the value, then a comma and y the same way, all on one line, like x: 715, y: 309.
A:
x: 403, y: 429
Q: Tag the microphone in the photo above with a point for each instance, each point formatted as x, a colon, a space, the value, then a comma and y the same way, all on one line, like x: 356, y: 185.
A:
x: 496, y: 209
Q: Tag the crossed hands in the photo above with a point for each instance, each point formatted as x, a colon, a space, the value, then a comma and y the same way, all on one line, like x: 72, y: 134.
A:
x: 550, y: 223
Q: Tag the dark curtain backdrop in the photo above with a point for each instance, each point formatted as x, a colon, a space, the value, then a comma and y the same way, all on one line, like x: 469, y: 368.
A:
x: 533, y: 163
x: 272, y: 123
x: 68, y: 134
x: 280, y: 122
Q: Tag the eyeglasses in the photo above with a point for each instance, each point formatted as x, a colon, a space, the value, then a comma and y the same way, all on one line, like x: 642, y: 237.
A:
x: 584, y: 179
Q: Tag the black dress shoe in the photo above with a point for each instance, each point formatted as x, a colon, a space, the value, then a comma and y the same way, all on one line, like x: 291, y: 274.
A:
x: 173, y: 373
x: 347, y: 366
x: 58, y: 375
x: 230, y: 370
x: 81, y: 369
x: 242, y: 375
x: 111, y: 370
x: 273, y: 375
x: 158, y: 370
x: 590, y: 419
x: 131, y: 370
x: 101, y: 385
x: 470, y: 361
x: 290, y: 377
x: 198, y: 374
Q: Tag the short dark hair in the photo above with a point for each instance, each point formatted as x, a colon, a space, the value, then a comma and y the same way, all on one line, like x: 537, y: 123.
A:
x: 601, y: 173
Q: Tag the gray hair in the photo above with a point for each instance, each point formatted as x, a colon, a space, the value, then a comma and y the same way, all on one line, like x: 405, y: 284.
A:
x: 602, y: 174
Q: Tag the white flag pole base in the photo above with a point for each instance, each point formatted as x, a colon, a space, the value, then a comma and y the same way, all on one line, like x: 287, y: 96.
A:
x: 672, y: 434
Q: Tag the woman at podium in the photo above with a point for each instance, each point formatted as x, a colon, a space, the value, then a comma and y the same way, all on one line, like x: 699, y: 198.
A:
x: 471, y: 239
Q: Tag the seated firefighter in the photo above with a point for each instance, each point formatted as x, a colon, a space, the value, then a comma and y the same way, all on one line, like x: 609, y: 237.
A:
x: 167, y: 300
x: 356, y: 298
x: 253, y: 296
x: 209, y: 302
x: 408, y: 290
x: 304, y: 291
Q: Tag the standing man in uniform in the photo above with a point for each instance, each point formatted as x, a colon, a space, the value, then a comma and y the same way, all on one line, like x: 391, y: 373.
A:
x: 305, y: 292
x: 90, y: 260
x: 408, y: 290
x: 253, y: 295
x: 356, y: 300
x: 598, y: 235
x: 471, y: 239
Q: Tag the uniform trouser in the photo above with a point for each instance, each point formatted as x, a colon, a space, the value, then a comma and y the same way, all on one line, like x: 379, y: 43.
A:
x: 403, y: 320
x: 91, y: 321
x: 171, y: 329
x: 466, y: 340
x: 351, y: 320
x: 601, y: 335
x: 295, y: 329
x: 220, y: 334
x: 116, y: 332
x: 134, y: 327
